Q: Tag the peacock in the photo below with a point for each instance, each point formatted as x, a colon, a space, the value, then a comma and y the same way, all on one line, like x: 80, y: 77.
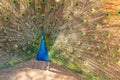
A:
x: 82, y: 35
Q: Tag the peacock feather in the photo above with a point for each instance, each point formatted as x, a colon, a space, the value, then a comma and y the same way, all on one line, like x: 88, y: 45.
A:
x: 82, y: 35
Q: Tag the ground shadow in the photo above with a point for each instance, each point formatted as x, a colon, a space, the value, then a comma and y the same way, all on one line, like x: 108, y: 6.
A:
x: 34, y: 70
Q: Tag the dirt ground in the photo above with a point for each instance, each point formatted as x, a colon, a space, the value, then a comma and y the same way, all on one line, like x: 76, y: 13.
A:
x: 34, y: 70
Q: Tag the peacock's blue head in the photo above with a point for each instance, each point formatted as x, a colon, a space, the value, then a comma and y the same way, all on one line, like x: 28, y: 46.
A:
x: 43, y: 33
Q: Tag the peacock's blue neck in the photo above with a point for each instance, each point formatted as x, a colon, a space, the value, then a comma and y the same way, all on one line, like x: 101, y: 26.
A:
x: 42, y: 52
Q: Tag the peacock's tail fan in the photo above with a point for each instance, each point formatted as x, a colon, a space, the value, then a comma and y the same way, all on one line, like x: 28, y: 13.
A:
x: 82, y: 35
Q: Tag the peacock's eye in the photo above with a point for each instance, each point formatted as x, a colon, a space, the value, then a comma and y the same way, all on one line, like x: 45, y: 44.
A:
x: 20, y: 28
x: 9, y: 39
x: 107, y: 35
x: 38, y: 9
x: 68, y: 28
x: 107, y: 14
x: 70, y: 50
x: 77, y: 42
x: 94, y: 37
x: 91, y: 10
x: 118, y: 12
x: 104, y: 46
x: 62, y: 4
x: 43, y: 16
x: 87, y: 47
x: 14, y: 1
x: 30, y: 3
x: 117, y: 61
x: 23, y: 14
x: 102, y: 63
x: 76, y: 4
x: 65, y: 40
x: 56, y: 20
x: 112, y: 54
x: 82, y: 21
x: 34, y: 18
x: 82, y: 33
x: 80, y: 64
x: 24, y: 48
x: 96, y: 53
x: 78, y: 55
x: 40, y: 26
x: 84, y: 62
x: 56, y: 31
x: 33, y: 30
x: 52, y: 9
x: 7, y: 18
x: 43, y: 1
x: 117, y: 49
x: 95, y: 25
x: 7, y: 30
x: 69, y: 17
x: 49, y: 26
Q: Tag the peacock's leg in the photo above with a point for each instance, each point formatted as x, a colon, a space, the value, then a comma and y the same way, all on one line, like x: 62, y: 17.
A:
x: 48, y: 66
